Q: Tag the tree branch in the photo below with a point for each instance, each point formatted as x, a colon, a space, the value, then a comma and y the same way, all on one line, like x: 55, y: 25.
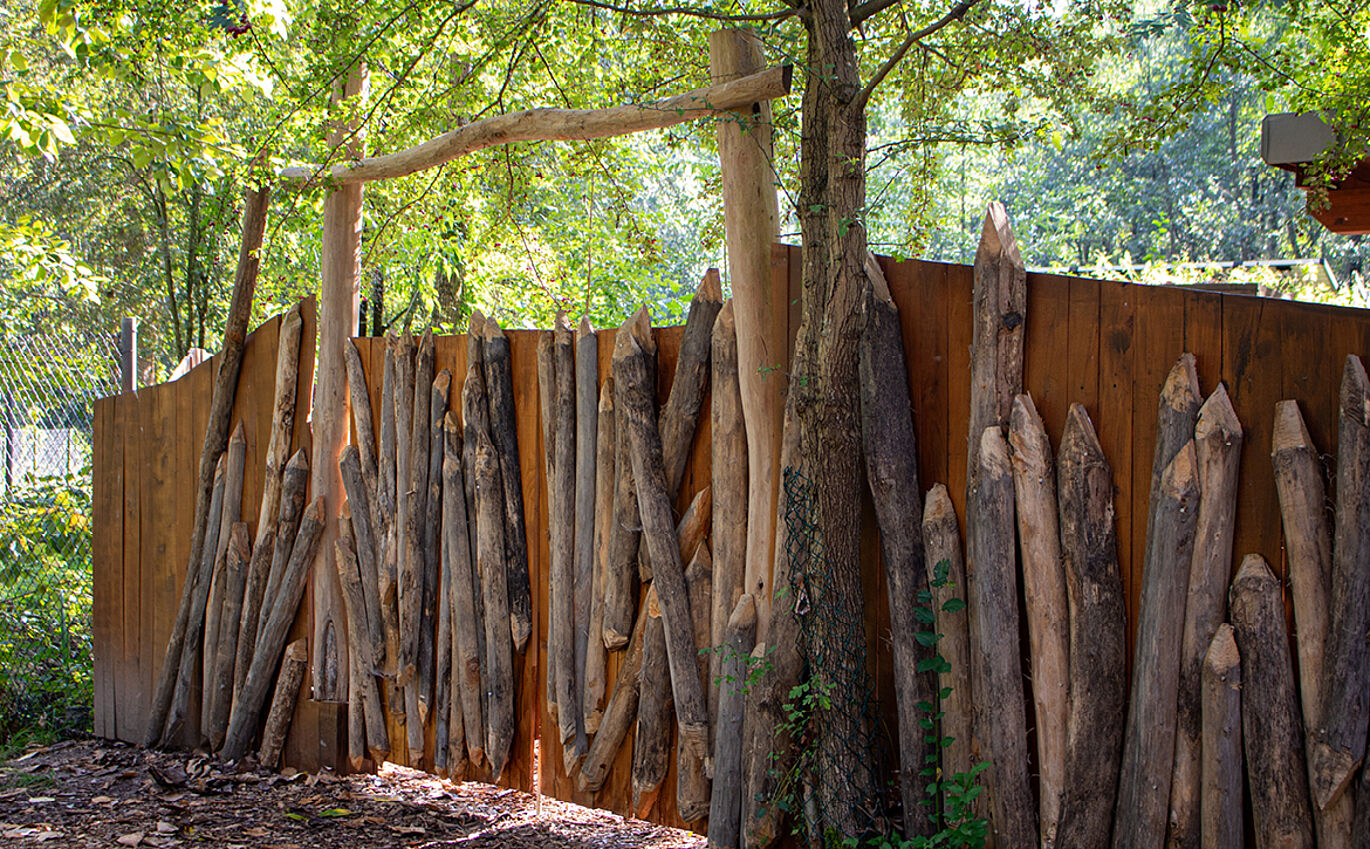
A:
x: 694, y: 11
x: 954, y: 14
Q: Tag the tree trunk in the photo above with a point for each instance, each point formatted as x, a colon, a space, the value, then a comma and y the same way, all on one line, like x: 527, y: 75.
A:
x: 466, y: 623
x: 216, y: 438
x: 652, y: 742
x: 996, y: 656
x: 596, y: 654
x: 1098, y: 637
x: 1271, y: 728
x: 587, y: 427
x: 728, y: 535
x: 1221, y: 805
x: 725, y: 808
x: 283, y: 703
x: 1218, y: 449
x: 946, y: 571
x: 1346, y: 709
x: 499, y: 383
x: 892, y: 471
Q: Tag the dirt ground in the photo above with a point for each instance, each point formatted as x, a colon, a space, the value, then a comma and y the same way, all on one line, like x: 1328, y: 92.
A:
x: 98, y: 793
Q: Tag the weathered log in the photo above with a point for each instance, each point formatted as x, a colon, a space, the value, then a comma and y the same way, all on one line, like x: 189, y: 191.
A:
x: 547, y: 403
x: 195, y: 618
x: 356, y: 710
x: 443, y: 651
x: 293, y: 484
x: 1149, y: 741
x: 652, y: 741
x: 658, y: 533
x: 475, y: 412
x: 694, y: 525
x: 359, y: 646
x: 619, y: 716
x: 1218, y: 448
x: 583, y: 569
x: 692, y: 770
x: 216, y: 438
x: 995, y: 661
x: 1098, y: 637
x: 728, y: 453
x: 891, y: 458
x: 363, y: 529
x: 1272, y: 731
x: 226, y: 651
x: 499, y: 384
x: 387, y: 566
x: 414, y: 597
x: 439, y: 389
x: 498, y: 635
x: 620, y: 579
x: 466, y: 623
x: 1342, y: 721
x: 360, y: 402
x: 680, y: 415
x: 242, y: 723
x: 283, y: 703
x: 229, y: 515
x: 405, y: 565
x: 596, y: 657
x: 561, y: 526
x: 277, y: 455
x: 946, y: 570
x: 1221, y: 805
x: 725, y: 807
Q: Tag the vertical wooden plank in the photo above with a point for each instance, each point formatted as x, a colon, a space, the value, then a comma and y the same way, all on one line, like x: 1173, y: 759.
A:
x: 919, y: 291
x: 960, y: 309
x: 1112, y: 416
x: 159, y: 502
x: 1083, y: 344
x: 114, y: 614
x: 1203, y: 336
x: 1311, y: 368
x: 1047, y: 349
x: 106, y: 539
x: 528, y: 668
x: 128, y: 690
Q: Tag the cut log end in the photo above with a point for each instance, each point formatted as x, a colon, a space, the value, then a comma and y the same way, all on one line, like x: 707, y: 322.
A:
x: 1181, y: 389
x: 1291, y: 434
x: 994, y: 454
x: 711, y: 287
x: 1355, y: 391
x: 937, y: 507
x: 585, y: 328
x: 1222, y: 659
x: 1181, y: 477
x: 1218, y: 418
x: 1027, y: 435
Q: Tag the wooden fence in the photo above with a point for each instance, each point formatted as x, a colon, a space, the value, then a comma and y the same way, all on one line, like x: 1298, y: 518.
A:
x: 1106, y: 345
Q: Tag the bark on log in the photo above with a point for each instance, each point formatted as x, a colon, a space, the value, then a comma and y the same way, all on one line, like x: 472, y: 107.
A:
x: 239, y: 557
x: 230, y: 514
x: 190, y: 657
x: 620, y: 577
x: 499, y: 384
x: 498, y: 636
x: 1221, y: 806
x: 242, y: 723
x: 680, y: 416
x: 293, y: 484
x: 619, y: 715
x: 946, y: 571
x: 1341, y: 735
x: 1149, y: 741
x: 1098, y: 637
x: 547, y: 406
x: 583, y: 568
x: 1272, y: 731
x: 561, y: 521
x: 387, y: 566
x: 891, y: 458
x: 407, y: 659
x: 360, y: 402
x: 596, y: 657
x: 475, y: 413
x: 1218, y: 449
x: 363, y: 529
x: 277, y: 455
x: 996, y: 659
x: 652, y: 742
x: 466, y: 623
x: 216, y: 438
x: 695, y: 524
x: 359, y: 646
x: 658, y: 532
x: 693, y: 771
x: 439, y: 389
x: 725, y: 807
x: 283, y: 703
x: 728, y: 457
x: 417, y: 604
x: 442, y: 689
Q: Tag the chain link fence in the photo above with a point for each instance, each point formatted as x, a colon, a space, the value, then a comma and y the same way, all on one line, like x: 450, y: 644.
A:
x: 47, y: 385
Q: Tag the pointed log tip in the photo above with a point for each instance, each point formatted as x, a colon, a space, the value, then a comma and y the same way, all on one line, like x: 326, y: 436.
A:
x: 1332, y: 772
x: 443, y: 382
x: 711, y: 287
x: 1217, y: 417
x: 1291, y: 433
x: 349, y: 451
x: 743, y: 616
x: 490, y: 329
x: 1181, y: 478
x: 238, y: 434
x: 1222, y: 656
x: 1254, y: 572
x: 562, y: 327
x: 996, y: 236
x: 994, y: 453
x: 475, y: 323
x: 1026, y: 431
x: 450, y: 423
x: 702, y: 561
x: 725, y: 318
x: 880, y: 285
x: 1181, y: 389
x: 1355, y: 391
x: 585, y: 328
x: 606, y: 396
x: 297, y: 650
x: 299, y: 460
x: 219, y: 465
x: 640, y: 326
x: 937, y: 505
x: 1080, y: 436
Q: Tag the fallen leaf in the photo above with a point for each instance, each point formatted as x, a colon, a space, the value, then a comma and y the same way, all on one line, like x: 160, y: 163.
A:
x: 408, y: 829
x: 47, y: 835
x: 336, y: 812
x: 102, y: 800
x: 40, y: 800
x: 256, y: 832
x: 131, y: 839
x: 164, y: 827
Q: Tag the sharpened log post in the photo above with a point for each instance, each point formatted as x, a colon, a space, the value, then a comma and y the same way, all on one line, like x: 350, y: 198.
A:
x: 652, y: 740
x: 1221, y: 806
x: 230, y: 513
x: 283, y: 704
x: 418, y: 696
x: 363, y: 528
x: 226, y: 651
x: 466, y: 621
x: 619, y: 716
x: 359, y: 644
x: 621, y: 577
x: 725, y: 807
x: 587, y: 427
x: 216, y: 439
x: 694, y: 768
x: 596, y: 658
x: 1098, y: 636
x: 946, y: 570
x: 728, y: 460
x: 499, y: 643
x: 360, y: 400
x: 561, y: 522
x: 499, y: 386
x: 1272, y: 731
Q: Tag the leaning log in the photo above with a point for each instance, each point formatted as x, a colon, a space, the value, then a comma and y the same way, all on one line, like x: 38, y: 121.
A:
x: 659, y: 535
x: 416, y: 603
x: 680, y: 415
x: 216, y: 438
x: 226, y: 650
x: 293, y: 484
x: 475, y: 413
x: 1221, y: 805
x: 439, y: 389
x: 996, y: 660
x: 725, y: 807
x: 561, y: 521
x: 1149, y: 741
x: 407, y: 659
x: 583, y: 567
x: 1272, y: 731
x: 620, y: 579
x: 498, y: 636
x: 946, y: 571
x: 363, y: 529
x: 230, y: 514
x: 359, y: 647
x: 387, y: 567
x: 1218, y: 449
x: 652, y: 740
x: 360, y: 402
x: 693, y: 768
x: 499, y: 384
x: 242, y: 723
x: 466, y: 662
x: 891, y: 457
x: 596, y: 657
x: 728, y: 457
x: 1098, y: 636
x: 1340, y: 739
x: 283, y: 704
x: 619, y: 716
